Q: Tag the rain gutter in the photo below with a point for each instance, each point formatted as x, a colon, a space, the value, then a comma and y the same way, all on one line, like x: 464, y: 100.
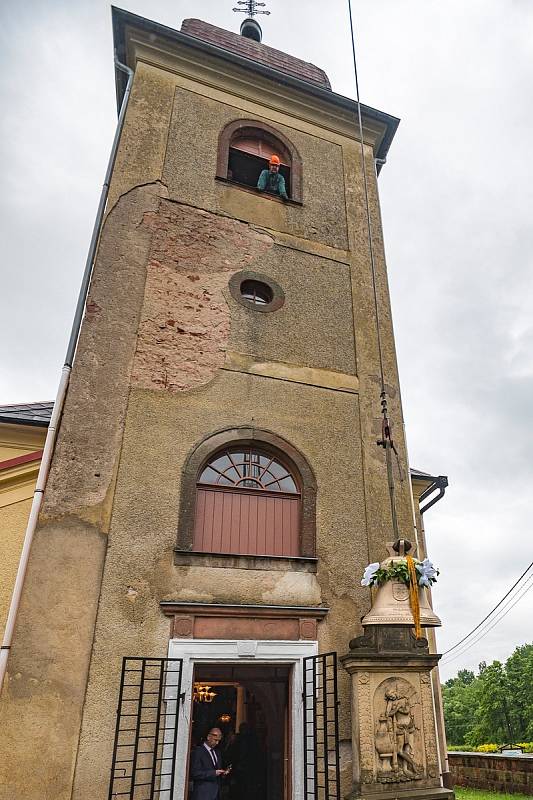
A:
x: 440, y: 483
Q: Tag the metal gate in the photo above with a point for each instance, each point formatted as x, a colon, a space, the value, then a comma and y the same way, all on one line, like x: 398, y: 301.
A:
x: 321, y: 728
x: 144, y: 752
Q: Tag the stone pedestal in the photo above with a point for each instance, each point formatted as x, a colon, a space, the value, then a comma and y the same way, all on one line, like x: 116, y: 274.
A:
x: 394, y: 736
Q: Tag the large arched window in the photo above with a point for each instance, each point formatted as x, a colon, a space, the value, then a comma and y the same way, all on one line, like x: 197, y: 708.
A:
x: 245, y: 148
x: 248, y: 502
x: 247, y: 492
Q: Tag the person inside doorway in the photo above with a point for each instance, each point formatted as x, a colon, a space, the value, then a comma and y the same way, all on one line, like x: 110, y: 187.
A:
x: 206, y: 768
x: 248, y: 765
x: 272, y: 181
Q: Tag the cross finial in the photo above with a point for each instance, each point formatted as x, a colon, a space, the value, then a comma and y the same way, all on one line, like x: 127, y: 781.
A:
x: 251, y: 7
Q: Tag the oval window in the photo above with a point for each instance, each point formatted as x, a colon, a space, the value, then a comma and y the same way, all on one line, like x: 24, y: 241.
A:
x: 256, y: 292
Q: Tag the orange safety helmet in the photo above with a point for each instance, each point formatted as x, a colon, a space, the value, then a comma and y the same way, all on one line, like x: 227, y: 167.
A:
x: 275, y: 160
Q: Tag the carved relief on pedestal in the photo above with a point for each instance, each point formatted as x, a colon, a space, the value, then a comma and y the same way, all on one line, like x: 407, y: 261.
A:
x: 366, y: 743
x: 397, y: 732
x: 430, y: 735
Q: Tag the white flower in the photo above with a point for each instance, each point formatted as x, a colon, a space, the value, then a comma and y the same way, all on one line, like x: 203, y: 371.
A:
x: 428, y: 573
x: 370, y: 571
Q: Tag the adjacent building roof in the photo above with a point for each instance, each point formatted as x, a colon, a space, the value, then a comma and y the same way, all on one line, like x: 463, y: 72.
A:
x: 261, y: 53
x: 37, y: 414
x: 423, y: 476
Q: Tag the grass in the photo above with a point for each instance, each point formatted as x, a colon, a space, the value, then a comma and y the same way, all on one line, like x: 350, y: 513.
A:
x: 482, y: 794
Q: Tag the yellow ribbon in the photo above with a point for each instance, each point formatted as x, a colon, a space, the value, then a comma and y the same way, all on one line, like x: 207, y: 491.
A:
x: 413, y: 595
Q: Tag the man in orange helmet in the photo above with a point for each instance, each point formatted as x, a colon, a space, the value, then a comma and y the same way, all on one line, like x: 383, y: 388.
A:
x: 272, y: 181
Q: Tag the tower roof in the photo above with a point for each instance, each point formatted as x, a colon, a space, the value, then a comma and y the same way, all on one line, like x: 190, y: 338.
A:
x: 208, y: 42
x: 261, y: 53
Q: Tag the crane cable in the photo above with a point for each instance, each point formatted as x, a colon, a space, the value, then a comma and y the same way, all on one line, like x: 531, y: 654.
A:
x: 506, y: 595
x: 386, y: 441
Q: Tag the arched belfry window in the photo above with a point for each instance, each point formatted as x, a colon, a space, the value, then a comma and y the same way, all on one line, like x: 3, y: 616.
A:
x: 247, y: 468
x: 247, y: 502
x: 247, y: 492
x: 245, y: 149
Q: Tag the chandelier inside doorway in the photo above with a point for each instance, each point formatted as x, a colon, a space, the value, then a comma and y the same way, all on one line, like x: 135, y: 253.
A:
x: 202, y: 693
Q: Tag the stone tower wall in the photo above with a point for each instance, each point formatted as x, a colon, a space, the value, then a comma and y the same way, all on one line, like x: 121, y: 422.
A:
x: 167, y: 357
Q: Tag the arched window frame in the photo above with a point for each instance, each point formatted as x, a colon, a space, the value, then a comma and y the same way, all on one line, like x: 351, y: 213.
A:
x: 249, y: 127
x: 250, y: 437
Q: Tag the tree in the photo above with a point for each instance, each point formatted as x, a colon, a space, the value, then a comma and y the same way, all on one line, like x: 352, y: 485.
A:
x: 496, y: 705
x: 519, y: 671
x: 458, y: 699
x: 492, y: 713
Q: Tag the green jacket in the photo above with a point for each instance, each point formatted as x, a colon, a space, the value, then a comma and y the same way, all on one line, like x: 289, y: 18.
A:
x: 273, y: 183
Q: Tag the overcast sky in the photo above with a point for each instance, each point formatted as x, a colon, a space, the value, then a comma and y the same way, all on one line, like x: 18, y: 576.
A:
x: 457, y: 201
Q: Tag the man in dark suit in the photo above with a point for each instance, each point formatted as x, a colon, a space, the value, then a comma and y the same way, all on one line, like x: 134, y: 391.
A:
x: 206, y: 768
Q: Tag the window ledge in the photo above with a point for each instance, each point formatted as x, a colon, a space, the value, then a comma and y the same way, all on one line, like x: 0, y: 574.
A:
x: 192, y: 558
x: 257, y: 193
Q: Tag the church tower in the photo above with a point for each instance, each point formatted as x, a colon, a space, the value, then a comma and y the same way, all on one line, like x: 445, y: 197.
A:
x: 216, y: 490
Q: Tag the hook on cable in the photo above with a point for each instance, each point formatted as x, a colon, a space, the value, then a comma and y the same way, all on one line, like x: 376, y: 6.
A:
x: 386, y: 440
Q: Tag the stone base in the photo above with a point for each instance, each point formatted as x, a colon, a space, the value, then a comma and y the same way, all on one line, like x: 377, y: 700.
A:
x: 393, y: 719
x: 447, y: 780
x: 403, y: 794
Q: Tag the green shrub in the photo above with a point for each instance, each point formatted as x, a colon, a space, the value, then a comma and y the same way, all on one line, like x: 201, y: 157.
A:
x: 527, y: 747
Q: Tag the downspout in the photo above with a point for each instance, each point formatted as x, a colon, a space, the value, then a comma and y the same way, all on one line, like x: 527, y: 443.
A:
x: 53, y: 428
x: 440, y: 483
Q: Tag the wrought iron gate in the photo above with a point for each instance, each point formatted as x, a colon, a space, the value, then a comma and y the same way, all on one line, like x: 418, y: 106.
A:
x: 321, y: 728
x: 147, y: 727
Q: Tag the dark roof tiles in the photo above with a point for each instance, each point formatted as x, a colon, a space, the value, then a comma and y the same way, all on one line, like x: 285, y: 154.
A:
x: 27, y: 414
x: 248, y: 48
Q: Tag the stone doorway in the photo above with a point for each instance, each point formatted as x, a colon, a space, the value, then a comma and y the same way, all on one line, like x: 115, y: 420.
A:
x: 250, y: 703
x: 213, y: 654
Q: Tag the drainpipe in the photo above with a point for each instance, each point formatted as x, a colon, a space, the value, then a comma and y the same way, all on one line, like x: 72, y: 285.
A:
x: 55, y: 420
x: 440, y: 483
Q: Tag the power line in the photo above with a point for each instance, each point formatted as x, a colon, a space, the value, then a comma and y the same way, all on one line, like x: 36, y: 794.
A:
x: 509, y: 606
x: 468, y: 635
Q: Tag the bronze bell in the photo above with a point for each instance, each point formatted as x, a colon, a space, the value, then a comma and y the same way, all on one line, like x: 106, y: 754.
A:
x: 391, y: 604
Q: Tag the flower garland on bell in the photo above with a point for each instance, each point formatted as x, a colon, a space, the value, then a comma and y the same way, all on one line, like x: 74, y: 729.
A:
x: 413, y: 595
x: 413, y: 573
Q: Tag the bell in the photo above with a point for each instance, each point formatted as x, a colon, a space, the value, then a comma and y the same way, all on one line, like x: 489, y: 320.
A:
x: 391, y: 605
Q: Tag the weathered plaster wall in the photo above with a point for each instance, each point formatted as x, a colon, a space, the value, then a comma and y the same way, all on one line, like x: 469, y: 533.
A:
x: 42, y: 700
x: 183, y: 332
x: 368, y: 370
x: 185, y: 322
x: 138, y: 404
x: 144, y: 138
x: 164, y: 428
x: 314, y: 327
x: 322, y: 217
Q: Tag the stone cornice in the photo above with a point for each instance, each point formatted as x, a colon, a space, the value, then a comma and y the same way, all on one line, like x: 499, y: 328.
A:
x: 139, y: 39
x: 229, y: 79
x: 170, y: 608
